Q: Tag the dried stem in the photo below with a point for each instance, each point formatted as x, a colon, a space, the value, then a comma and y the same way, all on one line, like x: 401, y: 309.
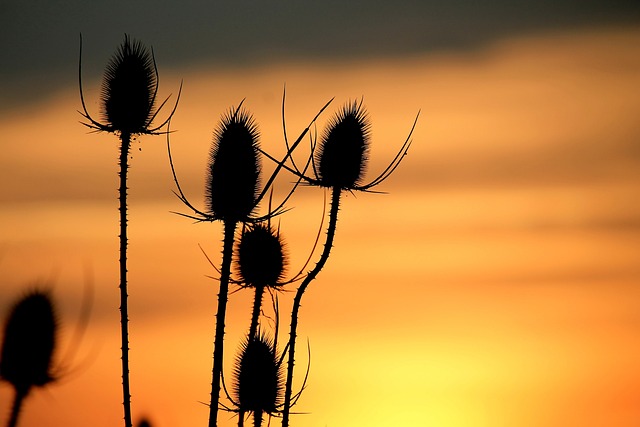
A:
x: 218, y: 346
x: 125, y: 139
x: 15, y: 408
x: 333, y: 219
x: 255, y: 314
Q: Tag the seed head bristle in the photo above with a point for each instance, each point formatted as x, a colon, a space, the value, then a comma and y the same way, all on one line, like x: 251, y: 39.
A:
x: 258, y: 377
x: 29, y: 342
x: 261, y: 258
x: 234, y: 169
x: 129, y: 88
x: 343, y: 149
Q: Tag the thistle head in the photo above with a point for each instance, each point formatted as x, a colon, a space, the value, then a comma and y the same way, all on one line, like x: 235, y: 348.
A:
x: 343, y: 150
x: 258, y: 376
x: 28, y: 343
x: 234, y: 170
x: 129, y: 89
x: 261, y: 259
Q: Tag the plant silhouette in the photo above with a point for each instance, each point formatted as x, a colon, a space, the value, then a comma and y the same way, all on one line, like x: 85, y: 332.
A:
x: 257, y: 378
x: 233, y: 193
x: 128, y: 104
x: 338, y: 164
x: 30, y: 335
x: 232, y: 196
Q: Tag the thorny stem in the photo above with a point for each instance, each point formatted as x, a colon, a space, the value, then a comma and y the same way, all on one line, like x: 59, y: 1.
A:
x: 125, y: 139
x: 257, y: 303
x: 333, y: 219
x: 15, y: 408
x: 257, y: 418
x: 225, y: 272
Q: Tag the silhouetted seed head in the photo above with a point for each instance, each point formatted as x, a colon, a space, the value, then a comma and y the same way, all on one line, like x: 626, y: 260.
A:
x: 129, y: 88
x: 261, y: 259
x: 233, y: 172
x: 258, y: 377
x: 28, y: 344
x: 344, y: 148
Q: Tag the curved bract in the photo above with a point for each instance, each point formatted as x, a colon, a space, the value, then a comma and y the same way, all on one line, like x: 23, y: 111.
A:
x: 128, y: 92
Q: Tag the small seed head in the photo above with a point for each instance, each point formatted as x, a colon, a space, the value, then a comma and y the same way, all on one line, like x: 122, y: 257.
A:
x: 258, y: 377
x: 344, y: 148
x: 29, y: 342
x: 261, y: 258
x: 234, y: 171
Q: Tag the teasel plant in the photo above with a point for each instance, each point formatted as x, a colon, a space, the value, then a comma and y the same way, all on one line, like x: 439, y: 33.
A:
x: 338, y: 163
x: 232, y: 196
x: 29, y: 342
x: 128, y: 107
x: 258, y: 379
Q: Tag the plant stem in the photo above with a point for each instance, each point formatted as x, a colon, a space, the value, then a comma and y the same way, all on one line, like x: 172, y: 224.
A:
x: 218, y: 346
x: 333, y: 219
x: 125, y: 139
x: 15, y: 408
x: 257, y: 303
x: 257, y: 418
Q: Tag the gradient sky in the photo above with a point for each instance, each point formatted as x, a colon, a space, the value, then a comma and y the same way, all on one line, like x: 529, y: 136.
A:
x: 496, y: 284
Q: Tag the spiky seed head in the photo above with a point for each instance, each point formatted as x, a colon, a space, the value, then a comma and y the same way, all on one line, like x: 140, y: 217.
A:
x: 234, y: 168
x: 29, y: 342
x: 129, y: 88
x: 258, y: 377
x: 261, y: 259
x: 344, y: 147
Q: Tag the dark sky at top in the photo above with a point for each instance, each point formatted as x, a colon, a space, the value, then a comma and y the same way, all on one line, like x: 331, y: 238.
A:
x: 39, y: 39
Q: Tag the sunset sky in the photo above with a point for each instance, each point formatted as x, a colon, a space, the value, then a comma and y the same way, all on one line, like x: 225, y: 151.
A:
x: 496, y: 283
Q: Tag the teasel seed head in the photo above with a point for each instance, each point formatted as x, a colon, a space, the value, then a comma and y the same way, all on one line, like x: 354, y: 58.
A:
x: 261, y: 258
x: 129, y: 88
x: 28, y: 343
x: 343, y: 150
x: 234, y: 169
x: 258, y: 377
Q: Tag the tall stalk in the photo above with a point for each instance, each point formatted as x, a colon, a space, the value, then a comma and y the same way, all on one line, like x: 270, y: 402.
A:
x: 127, y: 99
x: 125, y: 139
x: 333, y: 220
x: 218, y: 346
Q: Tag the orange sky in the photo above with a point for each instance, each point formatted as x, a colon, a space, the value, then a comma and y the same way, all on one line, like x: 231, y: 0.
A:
x: 495, y: 285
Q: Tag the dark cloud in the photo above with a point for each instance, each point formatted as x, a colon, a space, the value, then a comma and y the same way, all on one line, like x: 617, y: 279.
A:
x: 39, y: 39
